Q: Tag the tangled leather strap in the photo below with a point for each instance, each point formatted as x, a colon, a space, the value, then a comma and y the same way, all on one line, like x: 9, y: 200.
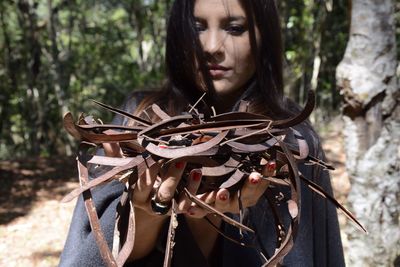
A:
x: 228, y: 147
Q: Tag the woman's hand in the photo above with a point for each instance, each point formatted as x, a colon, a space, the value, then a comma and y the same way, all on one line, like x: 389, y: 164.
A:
x: 203, y: 232
x: 163, y: 189
x: 112, y: 150
x: 252, y: 190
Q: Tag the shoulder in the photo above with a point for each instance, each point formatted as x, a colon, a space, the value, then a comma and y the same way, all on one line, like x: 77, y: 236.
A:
x: 135, y: 98
x: 131, y: 103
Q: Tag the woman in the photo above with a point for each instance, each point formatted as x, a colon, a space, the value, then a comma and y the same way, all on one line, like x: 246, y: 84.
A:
x: 231, y: 50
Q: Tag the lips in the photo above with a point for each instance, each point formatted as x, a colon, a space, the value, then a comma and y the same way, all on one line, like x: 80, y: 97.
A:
x: 217, y: 71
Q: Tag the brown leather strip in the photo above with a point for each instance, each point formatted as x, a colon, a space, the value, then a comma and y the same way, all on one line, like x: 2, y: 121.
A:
x: 241, y: 209
x: 108, y: 161
x: 101, y: 127
x: 173, y: 224
x: 279, y: 226
x: 287, y: 244
x: 309, y: 160
x: 263, y: 131
x: 309, y: 107
x: 239, y: 147
x: 124, y: 113
x: 318, y: 189
x: 159, y: 112
x: 294, y: 181
x: 303, y: 146
x: 69, y: 125
x: 132, y: 146
x: 228, y: 237
x: 277, y: 181
x: 243, y: 106
x: 91, y: 211
x: 172, y: 122
x: 232, y: 116
x: 121, y: 222
x: 170, y: 153
x: 106, y: 138
x: 127, y: 248
x: 234, y: 179
x: 314, y: 161
x: 201, y: 160
x: 103, y: 178
x: 283, y: 250
x: 221, y: 170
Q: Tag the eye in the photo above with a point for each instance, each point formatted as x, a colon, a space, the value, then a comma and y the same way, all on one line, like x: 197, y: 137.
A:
x: 235, y: 29
x: 199, y: 27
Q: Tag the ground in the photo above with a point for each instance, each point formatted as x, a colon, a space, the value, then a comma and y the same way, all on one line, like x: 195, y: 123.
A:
x: 34, y: 224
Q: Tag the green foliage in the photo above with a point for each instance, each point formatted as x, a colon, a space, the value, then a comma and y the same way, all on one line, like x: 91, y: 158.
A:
x: 57, y: 55
x: 314, y: 31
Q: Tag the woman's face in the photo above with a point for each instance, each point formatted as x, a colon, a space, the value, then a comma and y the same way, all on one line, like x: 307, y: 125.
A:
x: 223, y: 33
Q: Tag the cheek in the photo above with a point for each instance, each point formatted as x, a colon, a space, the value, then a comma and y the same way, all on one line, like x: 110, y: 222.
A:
x: 245, y: 69
x: 243, y: 58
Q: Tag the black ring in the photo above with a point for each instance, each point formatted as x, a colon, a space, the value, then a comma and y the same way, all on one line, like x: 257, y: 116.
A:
x: 160, y: 208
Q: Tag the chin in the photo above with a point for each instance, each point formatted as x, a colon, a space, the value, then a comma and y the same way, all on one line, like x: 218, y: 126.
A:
x: 222, y: 88
x: 225, y: 90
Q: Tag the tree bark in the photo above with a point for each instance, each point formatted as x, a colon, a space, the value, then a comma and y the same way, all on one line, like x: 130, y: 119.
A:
x: 368, y: 81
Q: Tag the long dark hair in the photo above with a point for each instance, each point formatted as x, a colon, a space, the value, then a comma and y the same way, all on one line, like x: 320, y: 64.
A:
x: 185, y: 58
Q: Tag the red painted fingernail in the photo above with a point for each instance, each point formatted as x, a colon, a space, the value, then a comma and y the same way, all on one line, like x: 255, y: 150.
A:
x: 196, y: 176
x: 162, y: 146
x: 180, y: 165
x: 223, y: 197
x: 254, y: 180
x: 271, y: 165
x: 191, y: 211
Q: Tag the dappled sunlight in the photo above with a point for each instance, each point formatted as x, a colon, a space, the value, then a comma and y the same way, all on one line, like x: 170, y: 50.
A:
x: 37, y: 238
x: 25, y: 181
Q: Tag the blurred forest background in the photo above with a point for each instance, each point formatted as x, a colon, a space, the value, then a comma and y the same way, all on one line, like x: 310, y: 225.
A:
x: 57, y: 55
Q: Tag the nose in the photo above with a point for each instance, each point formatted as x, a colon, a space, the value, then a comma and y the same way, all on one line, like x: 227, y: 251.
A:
x: 213, y: 43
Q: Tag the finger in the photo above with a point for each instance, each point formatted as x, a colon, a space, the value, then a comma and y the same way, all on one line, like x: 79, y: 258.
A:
x: 112, y: 149
x: 209, y: 197
x: 144, y: 185
x: 166, y: 191
x: 192, y: 186
x: 269, y: 169
x: 196, y: 211
x: 252, y: 189
x: 222, y: 200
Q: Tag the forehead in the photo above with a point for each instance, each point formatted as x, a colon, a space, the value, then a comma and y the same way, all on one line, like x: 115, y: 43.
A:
x: 218, y: 8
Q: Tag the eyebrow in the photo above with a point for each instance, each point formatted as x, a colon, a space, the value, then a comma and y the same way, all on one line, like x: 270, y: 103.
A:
x: 234, y: 18
x: 229, y: 19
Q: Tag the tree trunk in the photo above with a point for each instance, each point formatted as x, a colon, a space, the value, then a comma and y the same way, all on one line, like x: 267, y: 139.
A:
x: 368, y: 81
x: 33, y: 115
x: 61, y: 74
